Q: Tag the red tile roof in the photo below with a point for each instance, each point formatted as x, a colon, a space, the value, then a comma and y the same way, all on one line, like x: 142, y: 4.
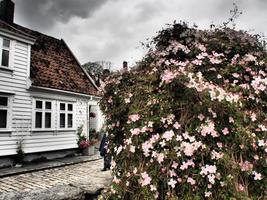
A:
x: 52, y: 63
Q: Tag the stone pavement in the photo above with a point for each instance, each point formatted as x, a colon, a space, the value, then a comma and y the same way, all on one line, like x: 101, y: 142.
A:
x: 85, y: 177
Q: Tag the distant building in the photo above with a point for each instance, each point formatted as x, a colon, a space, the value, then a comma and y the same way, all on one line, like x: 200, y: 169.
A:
x: 45, y: 94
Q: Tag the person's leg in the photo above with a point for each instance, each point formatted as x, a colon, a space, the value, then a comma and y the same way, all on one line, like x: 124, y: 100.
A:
x: 108, y: 162
x: 105, y: 163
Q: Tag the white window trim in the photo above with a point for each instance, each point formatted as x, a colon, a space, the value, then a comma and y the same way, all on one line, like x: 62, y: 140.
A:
x: 9, y: 113
x: 11, y: 53
x: 66, y: 112
x: 43, y: 110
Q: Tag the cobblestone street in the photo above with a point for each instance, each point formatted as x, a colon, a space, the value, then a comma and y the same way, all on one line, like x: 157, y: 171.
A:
x: 85, y: 175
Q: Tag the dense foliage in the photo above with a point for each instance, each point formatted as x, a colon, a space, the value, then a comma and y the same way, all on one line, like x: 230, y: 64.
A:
x: 190, y: 121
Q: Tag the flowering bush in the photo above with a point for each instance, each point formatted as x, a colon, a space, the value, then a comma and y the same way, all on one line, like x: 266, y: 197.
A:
x: 84, y: 144
x: 190, y: 121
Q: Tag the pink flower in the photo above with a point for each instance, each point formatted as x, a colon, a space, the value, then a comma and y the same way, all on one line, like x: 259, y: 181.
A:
x: 246, y: 166
x: 219, y: 144
x: 225, y: 131
x: 253, y: 117
x: 208, y: 129
x: 110, y: 100
x: 174, y: 165
x: 201, y: 47
x: 241, y: 188
x: 215, y: 155
x: 211, y: 178
x: 168, y: 135
x: 116, y: 180
x: 135, y: 131
x: 160, y: 157
x: 145, y: 180
x: 191, y: 181
x: 146, y: 146
x: 236, y: 75
x: 185, y: 165
x: 231, y: 120
x: 250, y: 58
x: 177, y: 125
x: 167, y: 76
x: 208, y: 169
x: 190, y: 148
x: 172, y: 173
x: 214, y: 60
x: 201, y: 117
x: 197, y: 62
x: 134, y: 117
x: 84, y: 144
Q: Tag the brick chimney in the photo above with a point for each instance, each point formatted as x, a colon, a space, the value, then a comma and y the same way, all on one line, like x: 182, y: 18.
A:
x: 125, y: 67
x: 7, y: 11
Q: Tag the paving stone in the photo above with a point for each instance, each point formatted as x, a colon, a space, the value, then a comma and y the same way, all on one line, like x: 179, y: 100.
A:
x: 60, y: 192
x: 82, y: 177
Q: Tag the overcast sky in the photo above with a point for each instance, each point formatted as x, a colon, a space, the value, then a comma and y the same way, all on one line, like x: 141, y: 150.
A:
x: 112, y: 30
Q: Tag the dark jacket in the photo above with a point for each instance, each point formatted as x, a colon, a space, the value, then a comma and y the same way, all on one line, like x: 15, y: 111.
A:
x: 103, y: 145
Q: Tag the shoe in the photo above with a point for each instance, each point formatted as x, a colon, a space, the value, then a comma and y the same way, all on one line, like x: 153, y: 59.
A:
x: 103, y: 170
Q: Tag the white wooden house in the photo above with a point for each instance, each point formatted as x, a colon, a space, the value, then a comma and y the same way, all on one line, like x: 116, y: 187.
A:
x: 45, y: 94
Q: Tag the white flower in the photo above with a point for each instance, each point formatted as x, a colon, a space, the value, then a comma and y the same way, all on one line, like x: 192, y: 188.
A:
x: 119, y: 149
x: 207, y: 194
x: 179, y: 138
x: 153, y: 188
x: 132, y: 148
x: 172, y: 183
x: 257, y: 176
x: 261, y: 143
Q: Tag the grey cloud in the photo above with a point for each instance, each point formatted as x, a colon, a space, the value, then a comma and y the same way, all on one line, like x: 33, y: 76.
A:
x: 112, y: 30
x: 44, y: 14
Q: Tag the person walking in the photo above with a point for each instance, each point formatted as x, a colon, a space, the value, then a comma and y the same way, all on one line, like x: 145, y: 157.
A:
x: 103, y: 152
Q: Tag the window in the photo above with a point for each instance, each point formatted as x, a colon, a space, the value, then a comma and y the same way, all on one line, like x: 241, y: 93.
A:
x: 5, y: 52
x: 43, y: 114
x: 65, y: 115
x: 4, y: 107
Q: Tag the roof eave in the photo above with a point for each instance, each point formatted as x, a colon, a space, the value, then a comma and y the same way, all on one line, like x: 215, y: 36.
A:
x: 17, y: 36
x: 63, y: 91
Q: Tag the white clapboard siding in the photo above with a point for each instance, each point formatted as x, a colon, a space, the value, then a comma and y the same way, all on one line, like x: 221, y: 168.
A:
x: 38, y: 143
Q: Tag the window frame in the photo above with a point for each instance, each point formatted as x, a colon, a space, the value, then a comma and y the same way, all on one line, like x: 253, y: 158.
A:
x: 10, y: 50
x: 43, y: 110
x: 66, y: 112
x: 8, y: 108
